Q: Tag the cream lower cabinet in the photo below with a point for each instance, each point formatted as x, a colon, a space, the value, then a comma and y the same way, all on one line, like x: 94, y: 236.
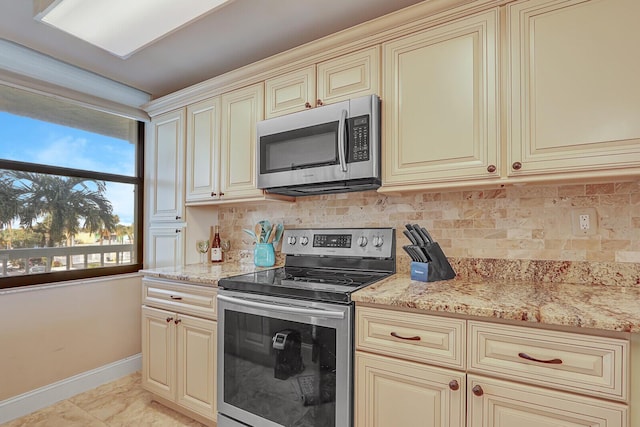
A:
x: 393, y: 391
x: 411, y: 370
x: 178, y: 349
x: 573, y: 92
x: 348, y: 76
x: 441, y: 104
x: 499, y: 403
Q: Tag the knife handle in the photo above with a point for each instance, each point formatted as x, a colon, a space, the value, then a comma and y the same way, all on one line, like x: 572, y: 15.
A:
x: 410, y: 237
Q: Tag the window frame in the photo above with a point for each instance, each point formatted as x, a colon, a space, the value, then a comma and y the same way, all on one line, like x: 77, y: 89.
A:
x: 89, y: 273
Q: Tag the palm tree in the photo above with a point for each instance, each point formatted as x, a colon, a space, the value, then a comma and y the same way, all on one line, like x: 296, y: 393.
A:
x: 9, y: 204
x: 67, y: 200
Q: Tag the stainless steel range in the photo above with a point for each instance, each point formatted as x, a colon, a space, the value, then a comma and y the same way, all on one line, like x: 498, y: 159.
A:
x: 285, y: 335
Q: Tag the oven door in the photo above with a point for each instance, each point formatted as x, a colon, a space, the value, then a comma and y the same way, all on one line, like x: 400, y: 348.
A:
x: 283, y: 362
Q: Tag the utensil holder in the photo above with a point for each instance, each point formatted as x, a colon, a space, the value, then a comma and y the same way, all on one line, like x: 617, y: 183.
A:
x: 264, y: 255
x: 436, y: 269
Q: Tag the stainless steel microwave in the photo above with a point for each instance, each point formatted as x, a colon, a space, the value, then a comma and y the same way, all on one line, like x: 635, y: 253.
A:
x: 329, y: 149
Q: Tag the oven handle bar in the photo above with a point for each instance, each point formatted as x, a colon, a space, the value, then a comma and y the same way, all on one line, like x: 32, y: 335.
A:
x: 284, y: 308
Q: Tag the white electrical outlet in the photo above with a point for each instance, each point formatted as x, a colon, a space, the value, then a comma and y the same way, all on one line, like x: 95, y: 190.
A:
x: 584, y: 221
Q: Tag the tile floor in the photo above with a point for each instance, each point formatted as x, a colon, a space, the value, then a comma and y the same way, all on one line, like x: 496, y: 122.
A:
x: 117, y: 404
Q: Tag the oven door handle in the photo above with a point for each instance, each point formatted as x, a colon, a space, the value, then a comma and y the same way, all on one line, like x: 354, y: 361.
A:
x: 283, y: 308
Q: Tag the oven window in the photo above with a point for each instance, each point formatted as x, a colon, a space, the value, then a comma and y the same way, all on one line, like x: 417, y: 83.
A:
x: 280, y: 370
x: 301, y: 148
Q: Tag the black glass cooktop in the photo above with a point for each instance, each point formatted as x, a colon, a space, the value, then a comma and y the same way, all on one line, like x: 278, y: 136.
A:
x: 302, y: 282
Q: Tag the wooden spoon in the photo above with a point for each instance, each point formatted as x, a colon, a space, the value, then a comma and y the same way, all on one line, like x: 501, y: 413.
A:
x: 258, y: 230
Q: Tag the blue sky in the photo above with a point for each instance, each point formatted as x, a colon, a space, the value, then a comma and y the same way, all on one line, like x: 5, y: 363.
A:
x: 28, y: 140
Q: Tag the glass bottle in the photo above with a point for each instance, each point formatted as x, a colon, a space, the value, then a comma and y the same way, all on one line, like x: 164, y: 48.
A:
x: 216, y: 249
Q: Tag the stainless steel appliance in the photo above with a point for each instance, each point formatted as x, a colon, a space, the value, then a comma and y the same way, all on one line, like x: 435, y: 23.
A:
x: 330, y: 149
x: 285, y: 335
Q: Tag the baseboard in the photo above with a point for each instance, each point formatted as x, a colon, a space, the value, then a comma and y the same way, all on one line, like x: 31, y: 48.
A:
x: 42, y: 397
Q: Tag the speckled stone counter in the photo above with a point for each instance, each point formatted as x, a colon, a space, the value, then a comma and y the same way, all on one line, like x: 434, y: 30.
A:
x: 202, y: 274
x: 606, y: 296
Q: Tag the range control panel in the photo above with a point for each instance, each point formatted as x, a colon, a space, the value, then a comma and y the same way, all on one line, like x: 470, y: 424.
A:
x: 346, y: 242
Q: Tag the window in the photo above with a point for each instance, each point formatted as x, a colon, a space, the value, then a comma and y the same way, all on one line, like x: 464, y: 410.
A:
x: 70, y: 190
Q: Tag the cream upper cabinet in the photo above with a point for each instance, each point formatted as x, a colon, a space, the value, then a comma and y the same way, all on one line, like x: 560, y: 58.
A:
x: 240, y: 112
x: 574, y: 98
x: 496, y: 403
x: 202, y: 174
x: 165, y: 165
x: 440, y: 100
x: 348, y: 76
x: 165, y: 246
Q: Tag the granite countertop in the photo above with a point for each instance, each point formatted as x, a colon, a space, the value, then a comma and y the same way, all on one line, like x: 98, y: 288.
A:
x: 586, y: 295
x: 602, y: 296
x: 203, y: 274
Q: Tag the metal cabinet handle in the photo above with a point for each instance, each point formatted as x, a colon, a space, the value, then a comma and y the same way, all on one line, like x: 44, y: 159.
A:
x: 533, y: 359
x: 416, y: 338
x: 307, y: 105
x: 221, y: 194
x: 178, y: 217
x: 516, y: 166
x: 178, y: 230
x: 453, y: 385
x: 491, y: 168
x: 169, y: 319
x: 477, y: 390
x: 173, y: 297
x: 177, y: 321
x: 213, y: 194
x: 319, y: 103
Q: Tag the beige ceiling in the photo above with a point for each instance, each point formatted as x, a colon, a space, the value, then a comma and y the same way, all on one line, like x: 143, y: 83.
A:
x: 240, y: 33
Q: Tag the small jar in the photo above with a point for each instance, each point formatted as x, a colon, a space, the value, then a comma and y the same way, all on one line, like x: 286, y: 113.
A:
x: 264, y: 255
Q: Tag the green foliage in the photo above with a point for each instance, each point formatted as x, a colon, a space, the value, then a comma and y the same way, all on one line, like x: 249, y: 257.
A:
x: 54, y: 207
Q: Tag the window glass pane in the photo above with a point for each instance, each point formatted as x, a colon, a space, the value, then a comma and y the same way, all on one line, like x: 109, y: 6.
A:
x: 57, y: 223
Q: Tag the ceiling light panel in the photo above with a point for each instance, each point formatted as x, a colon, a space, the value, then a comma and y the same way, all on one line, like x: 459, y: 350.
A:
x: 122, y: 27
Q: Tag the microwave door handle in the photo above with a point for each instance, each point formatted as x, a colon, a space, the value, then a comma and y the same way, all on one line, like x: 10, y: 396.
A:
x: 341, y: 144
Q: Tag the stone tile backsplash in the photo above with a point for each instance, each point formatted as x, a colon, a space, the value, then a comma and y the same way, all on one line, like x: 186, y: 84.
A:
x: 530, y: 222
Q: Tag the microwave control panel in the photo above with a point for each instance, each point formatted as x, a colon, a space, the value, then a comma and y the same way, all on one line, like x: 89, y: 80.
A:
x: 358, y: 128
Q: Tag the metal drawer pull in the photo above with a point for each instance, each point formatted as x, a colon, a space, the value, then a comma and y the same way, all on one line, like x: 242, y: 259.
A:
x: 173, y: 297
x: 453, y: 385
x: 477, y: 390
x: 416, y: 338
x: 552, y: 361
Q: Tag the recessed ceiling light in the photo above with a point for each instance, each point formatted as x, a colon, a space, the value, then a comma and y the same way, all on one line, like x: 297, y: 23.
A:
x: 122, y: 27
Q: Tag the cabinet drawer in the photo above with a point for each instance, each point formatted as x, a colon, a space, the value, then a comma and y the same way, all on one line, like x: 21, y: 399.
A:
x: 595, y: 366
x: 412, y: 336
x: 180, y: 297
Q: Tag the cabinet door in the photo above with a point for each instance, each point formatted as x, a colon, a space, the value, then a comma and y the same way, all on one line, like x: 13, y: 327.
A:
x: 573, y: 103
x: 158, y: 352
x: 166, y: 167
x: 440, y: 103
x: 196, y: 368
x: 165, y: 247
x: 290, y: 92
x: 203, y: 151
x: 241, y: 110
x: 496, y: 403
x: 349, y: 76
x: 394, y: 392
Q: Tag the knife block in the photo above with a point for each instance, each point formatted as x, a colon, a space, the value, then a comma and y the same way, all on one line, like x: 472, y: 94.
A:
x: 436, y: 269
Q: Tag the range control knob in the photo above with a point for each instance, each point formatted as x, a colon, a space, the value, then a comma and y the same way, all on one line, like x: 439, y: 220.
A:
x: 362, y: 241
x: 378, y: 241
x: 304, y: 240
x: 291, y: 240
